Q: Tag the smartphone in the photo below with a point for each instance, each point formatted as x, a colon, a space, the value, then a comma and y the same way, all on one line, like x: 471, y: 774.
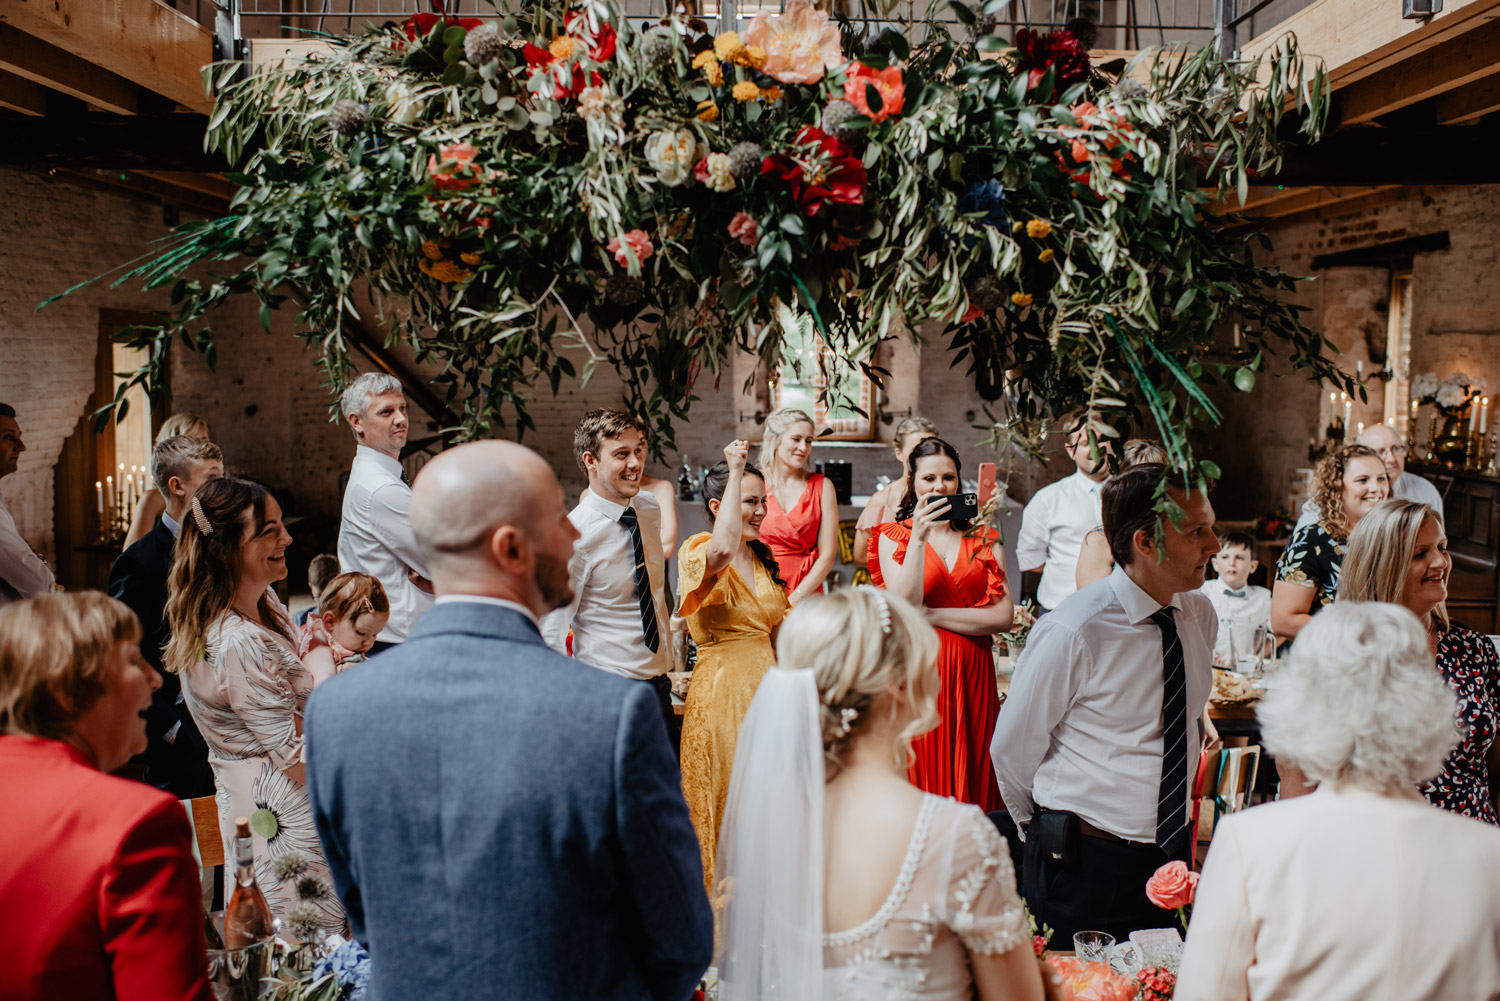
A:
x: 986, y: 482
x: 961, y: 507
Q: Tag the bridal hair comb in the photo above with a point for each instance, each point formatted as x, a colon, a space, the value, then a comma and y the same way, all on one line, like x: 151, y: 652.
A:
x: 885, y: 608
x: 201, y: 519
x: 847, y: 716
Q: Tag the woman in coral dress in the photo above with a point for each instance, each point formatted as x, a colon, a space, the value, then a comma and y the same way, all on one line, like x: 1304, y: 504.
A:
x: 802, y: 510
x: 958, y: 577
x: 733, y: 601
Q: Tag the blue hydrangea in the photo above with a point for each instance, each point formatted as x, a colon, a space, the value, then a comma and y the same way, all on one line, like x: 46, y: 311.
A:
x: 350, y: 964
x: 987, y: 197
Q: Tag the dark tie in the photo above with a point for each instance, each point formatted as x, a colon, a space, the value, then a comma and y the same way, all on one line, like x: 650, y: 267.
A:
x: 642, y: 581
x: 1171, y: 803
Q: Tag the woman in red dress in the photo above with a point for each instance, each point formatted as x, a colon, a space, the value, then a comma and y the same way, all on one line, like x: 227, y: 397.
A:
x: 802, y: 511
x: 958, y: 577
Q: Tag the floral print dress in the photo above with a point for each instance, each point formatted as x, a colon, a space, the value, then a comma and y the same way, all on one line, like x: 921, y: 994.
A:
x: 1314, y: 558
x: 247, y: 697
x: 1468, y: 662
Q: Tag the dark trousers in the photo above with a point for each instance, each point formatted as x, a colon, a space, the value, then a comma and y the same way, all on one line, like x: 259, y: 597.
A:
x: 1103, y: 889
x: 662, y: 685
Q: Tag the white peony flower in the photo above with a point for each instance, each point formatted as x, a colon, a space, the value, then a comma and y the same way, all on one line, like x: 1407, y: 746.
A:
x: 1424, y: 385
x: 672, y: 155
x: 1459, y: 379
x: 400, y: 106
x: 1450, y: 396
x: 719, y: 176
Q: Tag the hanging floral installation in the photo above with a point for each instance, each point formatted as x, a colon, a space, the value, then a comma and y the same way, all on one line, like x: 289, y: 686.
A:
x: 488, y: 185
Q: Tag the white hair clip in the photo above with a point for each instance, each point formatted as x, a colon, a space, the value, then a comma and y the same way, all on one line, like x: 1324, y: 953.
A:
x: 201, y: 519
x: 885, y: 607
x: 847, y: 716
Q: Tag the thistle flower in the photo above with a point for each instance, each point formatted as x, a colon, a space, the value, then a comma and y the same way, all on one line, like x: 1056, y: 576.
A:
x: 483, y: 45
x: 745, y: 159
x: 624, y: 290
x: 656, y: 48
x: 302, y: 922
x: 986, y: 293
x: 835, y: 115
x: 348, y: 118
x: 312, y: 887
x: 289, y: 866
x: 1130, y: 90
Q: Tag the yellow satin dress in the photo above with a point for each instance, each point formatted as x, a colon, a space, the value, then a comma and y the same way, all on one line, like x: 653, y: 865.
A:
x: 731, y: 621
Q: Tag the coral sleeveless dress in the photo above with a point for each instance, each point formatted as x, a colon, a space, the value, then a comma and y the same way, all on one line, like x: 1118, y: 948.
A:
x: 954, y: 759
x: 793, y: 535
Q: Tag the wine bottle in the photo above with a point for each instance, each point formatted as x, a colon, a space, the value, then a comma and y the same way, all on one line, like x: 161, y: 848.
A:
x: 247, y: 919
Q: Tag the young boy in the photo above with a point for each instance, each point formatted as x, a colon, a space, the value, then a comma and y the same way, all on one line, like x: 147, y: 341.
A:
x: 1244, y: 609
x: 320, y: 571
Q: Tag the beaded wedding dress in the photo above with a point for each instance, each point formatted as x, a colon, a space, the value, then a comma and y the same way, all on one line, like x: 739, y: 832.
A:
x: 955, y: 893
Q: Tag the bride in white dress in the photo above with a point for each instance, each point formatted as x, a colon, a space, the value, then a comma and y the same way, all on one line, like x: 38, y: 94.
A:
x: 843, y: 880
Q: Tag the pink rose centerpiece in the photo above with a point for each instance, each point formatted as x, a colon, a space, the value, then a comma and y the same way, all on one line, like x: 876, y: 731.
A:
x: 1172, y: 887
x: 800, y: 44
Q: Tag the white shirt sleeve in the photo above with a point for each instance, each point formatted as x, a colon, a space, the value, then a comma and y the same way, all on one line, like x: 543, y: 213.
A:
x: 555, y: 624
x: 1036, y: 527
x: 390, y: 519
x: 21, y: 568
x: 1048, y: 678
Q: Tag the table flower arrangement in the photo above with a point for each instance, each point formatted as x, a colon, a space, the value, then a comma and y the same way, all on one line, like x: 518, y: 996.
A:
x: 522, y: 198
x: 1156, y: 983
x: 1092, y: 981
x: 1451, y: 397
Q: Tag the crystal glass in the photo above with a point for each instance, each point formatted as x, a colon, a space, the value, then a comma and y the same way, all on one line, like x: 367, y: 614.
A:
x: 1093, y: 946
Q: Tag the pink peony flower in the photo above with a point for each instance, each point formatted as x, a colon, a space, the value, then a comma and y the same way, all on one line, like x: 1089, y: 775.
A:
x: 800, y: 44
x: 744, y: 228
x: 1172, y: 886
x: 637, y: 241
x: 889, y: 83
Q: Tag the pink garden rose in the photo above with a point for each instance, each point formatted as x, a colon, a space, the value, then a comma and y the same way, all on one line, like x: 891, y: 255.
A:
x: 800, y: 45
x: 1172, y: 886
x: 744, y: 228
x: 637, y: 241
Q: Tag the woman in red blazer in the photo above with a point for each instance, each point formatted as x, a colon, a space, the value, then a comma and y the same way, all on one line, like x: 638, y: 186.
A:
x: 99, y: 894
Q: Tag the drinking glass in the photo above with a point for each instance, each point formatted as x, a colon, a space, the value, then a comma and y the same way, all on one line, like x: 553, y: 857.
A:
x: 1093, y: 946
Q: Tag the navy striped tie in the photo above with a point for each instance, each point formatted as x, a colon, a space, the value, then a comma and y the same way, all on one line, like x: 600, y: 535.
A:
x: 1171, y: 803
x: 642, y: 581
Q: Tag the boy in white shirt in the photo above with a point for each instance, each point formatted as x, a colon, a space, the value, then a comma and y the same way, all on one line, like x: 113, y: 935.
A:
x: 1244, y: 609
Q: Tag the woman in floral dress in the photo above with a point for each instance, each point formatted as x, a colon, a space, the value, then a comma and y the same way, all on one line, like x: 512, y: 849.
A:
x: 232, y: 643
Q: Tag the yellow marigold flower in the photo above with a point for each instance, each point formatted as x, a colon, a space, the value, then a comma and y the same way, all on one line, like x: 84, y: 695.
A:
x: 707, y: 111
x: 752, y: 56
x: 562, y: 47
x: 1015, y: 227
x: 469, y: 259
x: 1038, y: 228
x: 728, y: 45
x: 772, y: 93
x: 447, y: 272
x: 1045, y: 255
x: 746, y: 90
x: 1022, y: 299
x: 702, y: 59
x: 713, y: 73
x: 431, y: 249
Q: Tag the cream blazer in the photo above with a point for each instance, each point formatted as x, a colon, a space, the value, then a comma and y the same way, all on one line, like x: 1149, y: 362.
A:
x: 1347, y: 894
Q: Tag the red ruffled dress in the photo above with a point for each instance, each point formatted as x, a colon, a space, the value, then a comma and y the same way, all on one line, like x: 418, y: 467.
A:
x: 793, y: 535
x: 954, y: 759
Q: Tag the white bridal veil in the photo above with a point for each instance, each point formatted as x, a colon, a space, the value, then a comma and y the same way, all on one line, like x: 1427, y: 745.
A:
x: 770, y: 865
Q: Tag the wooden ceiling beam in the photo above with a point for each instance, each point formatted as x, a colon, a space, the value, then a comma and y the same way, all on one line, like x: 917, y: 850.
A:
x: 1466, y: 59
x: 1467, y: 105
x: 50, y: 66
x: 1296, y: 201
x: 20, y: 94
x: 161, y: 49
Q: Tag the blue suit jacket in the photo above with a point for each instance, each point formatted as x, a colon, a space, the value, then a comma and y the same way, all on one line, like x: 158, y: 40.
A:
x: 505, y: 822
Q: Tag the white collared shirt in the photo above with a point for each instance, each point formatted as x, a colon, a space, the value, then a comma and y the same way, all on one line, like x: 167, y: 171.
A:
x: 1081, y: 729
x: 173, y: 525
x: 376, y: 538
x: 1053, y: 526
x: 23, y: 574
x: 1239, y: 618
x: 605, y: 614
x: 485, y: 599
x: 1408, y: 486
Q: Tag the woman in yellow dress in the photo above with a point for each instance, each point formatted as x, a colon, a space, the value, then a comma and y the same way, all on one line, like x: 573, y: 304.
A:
x: 733, y: 600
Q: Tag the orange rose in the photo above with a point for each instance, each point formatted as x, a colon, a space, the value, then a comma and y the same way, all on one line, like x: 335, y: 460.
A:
x: 1172, y: 886
x: 887, y: 82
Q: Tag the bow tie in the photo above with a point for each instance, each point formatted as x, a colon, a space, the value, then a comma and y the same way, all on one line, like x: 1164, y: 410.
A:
x: 1235, y: 594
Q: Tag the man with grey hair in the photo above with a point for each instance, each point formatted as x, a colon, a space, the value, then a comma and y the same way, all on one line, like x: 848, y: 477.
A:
x: 176, y: 756
x: 375, y: 536
x: 481, y: 795
x: 1391, y: 448
x: 23, y: 573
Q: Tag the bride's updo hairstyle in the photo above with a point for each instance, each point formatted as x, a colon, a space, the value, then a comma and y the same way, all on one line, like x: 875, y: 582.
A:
x: 861, y: 643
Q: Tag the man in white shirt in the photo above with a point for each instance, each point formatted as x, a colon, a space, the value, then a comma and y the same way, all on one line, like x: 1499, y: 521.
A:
x: 1406, y: 486
x: 1097, y: 745
x: 1057, y: 518
x: 619, y: 614
x: 376, y: 537
x: 23, y: 574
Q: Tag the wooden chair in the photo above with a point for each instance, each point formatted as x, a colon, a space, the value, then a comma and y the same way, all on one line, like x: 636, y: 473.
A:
x: 208, y: 842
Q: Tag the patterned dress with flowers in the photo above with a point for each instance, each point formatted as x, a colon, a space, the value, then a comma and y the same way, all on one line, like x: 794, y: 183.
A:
x: 247, y: 697
x: 1313, y: 558
x: 1468, y: 662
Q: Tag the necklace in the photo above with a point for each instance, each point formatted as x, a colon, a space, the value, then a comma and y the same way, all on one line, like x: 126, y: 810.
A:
x: 942, y: 551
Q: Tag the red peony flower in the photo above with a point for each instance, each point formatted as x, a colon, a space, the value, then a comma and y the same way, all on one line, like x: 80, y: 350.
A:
x: 418, y: 25
x: 602, y: 45
x: 565, y: 84
x: 889, y: 83
x: 818, y: 169
x: 1060, y: 50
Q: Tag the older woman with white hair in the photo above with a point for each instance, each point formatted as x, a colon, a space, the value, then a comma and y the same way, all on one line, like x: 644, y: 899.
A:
x: 1361, y: 889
